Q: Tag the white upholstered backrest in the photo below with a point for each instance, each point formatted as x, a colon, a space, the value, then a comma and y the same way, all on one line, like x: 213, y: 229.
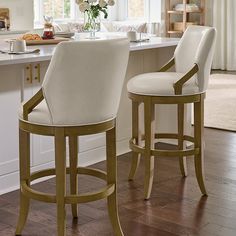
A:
x: 84, y: 81
x: 196, y: 46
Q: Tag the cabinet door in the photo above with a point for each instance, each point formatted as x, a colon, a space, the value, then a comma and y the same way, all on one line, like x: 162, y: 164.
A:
x: 10, y: 98
x: 135, y: 67
x: 89, y: 142
x: 42, y: 147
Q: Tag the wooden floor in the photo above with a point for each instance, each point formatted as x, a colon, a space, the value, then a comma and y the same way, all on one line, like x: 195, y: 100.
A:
x: 175, y: 208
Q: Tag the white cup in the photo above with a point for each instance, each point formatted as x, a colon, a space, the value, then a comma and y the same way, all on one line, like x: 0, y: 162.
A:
x: 154, y: 29
x: 132, y: 36
x: 17, y: 46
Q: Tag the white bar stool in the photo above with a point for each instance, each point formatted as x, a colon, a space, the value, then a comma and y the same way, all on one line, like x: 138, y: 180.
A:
x: 80, y: 95
x: 188, y: 84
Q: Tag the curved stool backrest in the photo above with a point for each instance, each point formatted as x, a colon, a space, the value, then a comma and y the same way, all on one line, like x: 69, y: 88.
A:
x: 196, y: 47
x: 84, y: 81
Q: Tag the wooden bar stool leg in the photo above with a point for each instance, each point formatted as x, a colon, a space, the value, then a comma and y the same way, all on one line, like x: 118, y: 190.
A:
x: 198, y: 135
x: 60, y: 161
x: 24, y: 146
x: 135, y: 135
x: 73, y: 149
x: 149, y: 120
x: 182, y: 160
x: 112, y: 179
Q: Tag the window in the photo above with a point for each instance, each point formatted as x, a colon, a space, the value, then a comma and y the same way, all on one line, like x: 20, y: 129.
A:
x: 60, y: 10
x: 144, y: 10
x: 136, y: 9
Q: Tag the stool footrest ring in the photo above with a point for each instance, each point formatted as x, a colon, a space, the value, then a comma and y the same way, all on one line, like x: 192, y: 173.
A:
x: 170, y: 136
x: 167, y: 153
x: 69, y: 199
x: 175, y: 153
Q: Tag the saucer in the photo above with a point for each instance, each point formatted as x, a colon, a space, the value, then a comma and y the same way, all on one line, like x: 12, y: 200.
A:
x: 65, y: 34
x: 19, y: 53
x: 140, y: 40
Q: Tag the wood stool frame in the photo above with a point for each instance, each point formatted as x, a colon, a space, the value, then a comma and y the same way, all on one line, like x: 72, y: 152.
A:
x: 150, y: 137
x: 61, y: 198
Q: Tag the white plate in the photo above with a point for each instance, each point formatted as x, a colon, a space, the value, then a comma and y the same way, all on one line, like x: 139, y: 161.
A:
x: 140, y: 40
x: 65, y: 34
x: 19, y: 53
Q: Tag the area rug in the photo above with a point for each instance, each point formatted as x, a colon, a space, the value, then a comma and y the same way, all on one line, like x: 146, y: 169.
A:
x: 220, y: 103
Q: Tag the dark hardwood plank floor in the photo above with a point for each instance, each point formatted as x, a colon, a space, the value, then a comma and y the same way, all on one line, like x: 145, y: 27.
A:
x: 175, y: 208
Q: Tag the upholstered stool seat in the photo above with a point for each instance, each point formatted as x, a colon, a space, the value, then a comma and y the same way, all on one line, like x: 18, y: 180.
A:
x: 161, y: 84
x: 80, y: 96
x: 187, y: 85
x: 39, y: 115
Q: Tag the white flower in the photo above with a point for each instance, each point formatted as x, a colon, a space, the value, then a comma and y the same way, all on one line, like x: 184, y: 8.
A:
x: 102, y: 3
x: 110, y: 2
x: 84, y: 6
x: 79, y: 1
x: 92, y: 1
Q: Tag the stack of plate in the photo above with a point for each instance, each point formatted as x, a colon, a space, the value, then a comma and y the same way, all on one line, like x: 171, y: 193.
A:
x: 64, y: 34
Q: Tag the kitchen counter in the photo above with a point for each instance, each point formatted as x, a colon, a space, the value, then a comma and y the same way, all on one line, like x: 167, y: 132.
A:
x: 46, y: 51
x: 10, y: 32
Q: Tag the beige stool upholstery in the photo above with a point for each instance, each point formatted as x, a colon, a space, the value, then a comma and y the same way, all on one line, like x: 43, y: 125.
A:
x: 192, y: 60
x: 80, y: 95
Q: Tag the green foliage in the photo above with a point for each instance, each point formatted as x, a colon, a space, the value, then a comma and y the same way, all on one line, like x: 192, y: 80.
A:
x: 67, y: 7
x: 96, y: 9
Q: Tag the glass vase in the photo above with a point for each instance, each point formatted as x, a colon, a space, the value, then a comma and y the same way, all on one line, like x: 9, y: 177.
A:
x: 91, y: 24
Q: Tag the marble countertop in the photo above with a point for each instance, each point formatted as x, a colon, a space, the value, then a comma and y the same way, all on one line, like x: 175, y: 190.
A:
x: 46, y: 51
x: 9, y: 32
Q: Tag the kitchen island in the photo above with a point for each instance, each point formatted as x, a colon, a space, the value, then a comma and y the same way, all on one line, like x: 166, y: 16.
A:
x: 21, y: 76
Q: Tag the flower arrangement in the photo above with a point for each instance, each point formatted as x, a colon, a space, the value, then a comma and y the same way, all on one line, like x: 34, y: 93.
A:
x: 95, y: 6
x: 92, y: 10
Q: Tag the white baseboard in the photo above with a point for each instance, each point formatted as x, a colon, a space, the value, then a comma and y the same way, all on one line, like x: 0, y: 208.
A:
x: 10, y: 182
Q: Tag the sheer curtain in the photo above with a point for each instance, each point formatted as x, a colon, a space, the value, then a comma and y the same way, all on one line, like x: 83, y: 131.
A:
x: 223, y: 17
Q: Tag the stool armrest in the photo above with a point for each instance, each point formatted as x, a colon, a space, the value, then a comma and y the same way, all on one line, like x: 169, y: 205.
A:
x: 168, y: 65
x: 178, y: 86
x: 32, y: 103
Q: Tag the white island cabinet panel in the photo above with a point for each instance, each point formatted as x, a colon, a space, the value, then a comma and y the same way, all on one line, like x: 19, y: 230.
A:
x: 42, y: 146
x: 10, y: 98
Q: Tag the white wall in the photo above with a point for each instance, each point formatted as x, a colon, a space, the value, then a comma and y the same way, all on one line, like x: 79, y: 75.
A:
x: 113, y: 12
x: 155, y: 10
x: 121, y: 9
x: 21, y: 13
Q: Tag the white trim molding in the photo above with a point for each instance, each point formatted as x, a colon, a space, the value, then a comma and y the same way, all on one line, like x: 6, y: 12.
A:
x: 10, y: 182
